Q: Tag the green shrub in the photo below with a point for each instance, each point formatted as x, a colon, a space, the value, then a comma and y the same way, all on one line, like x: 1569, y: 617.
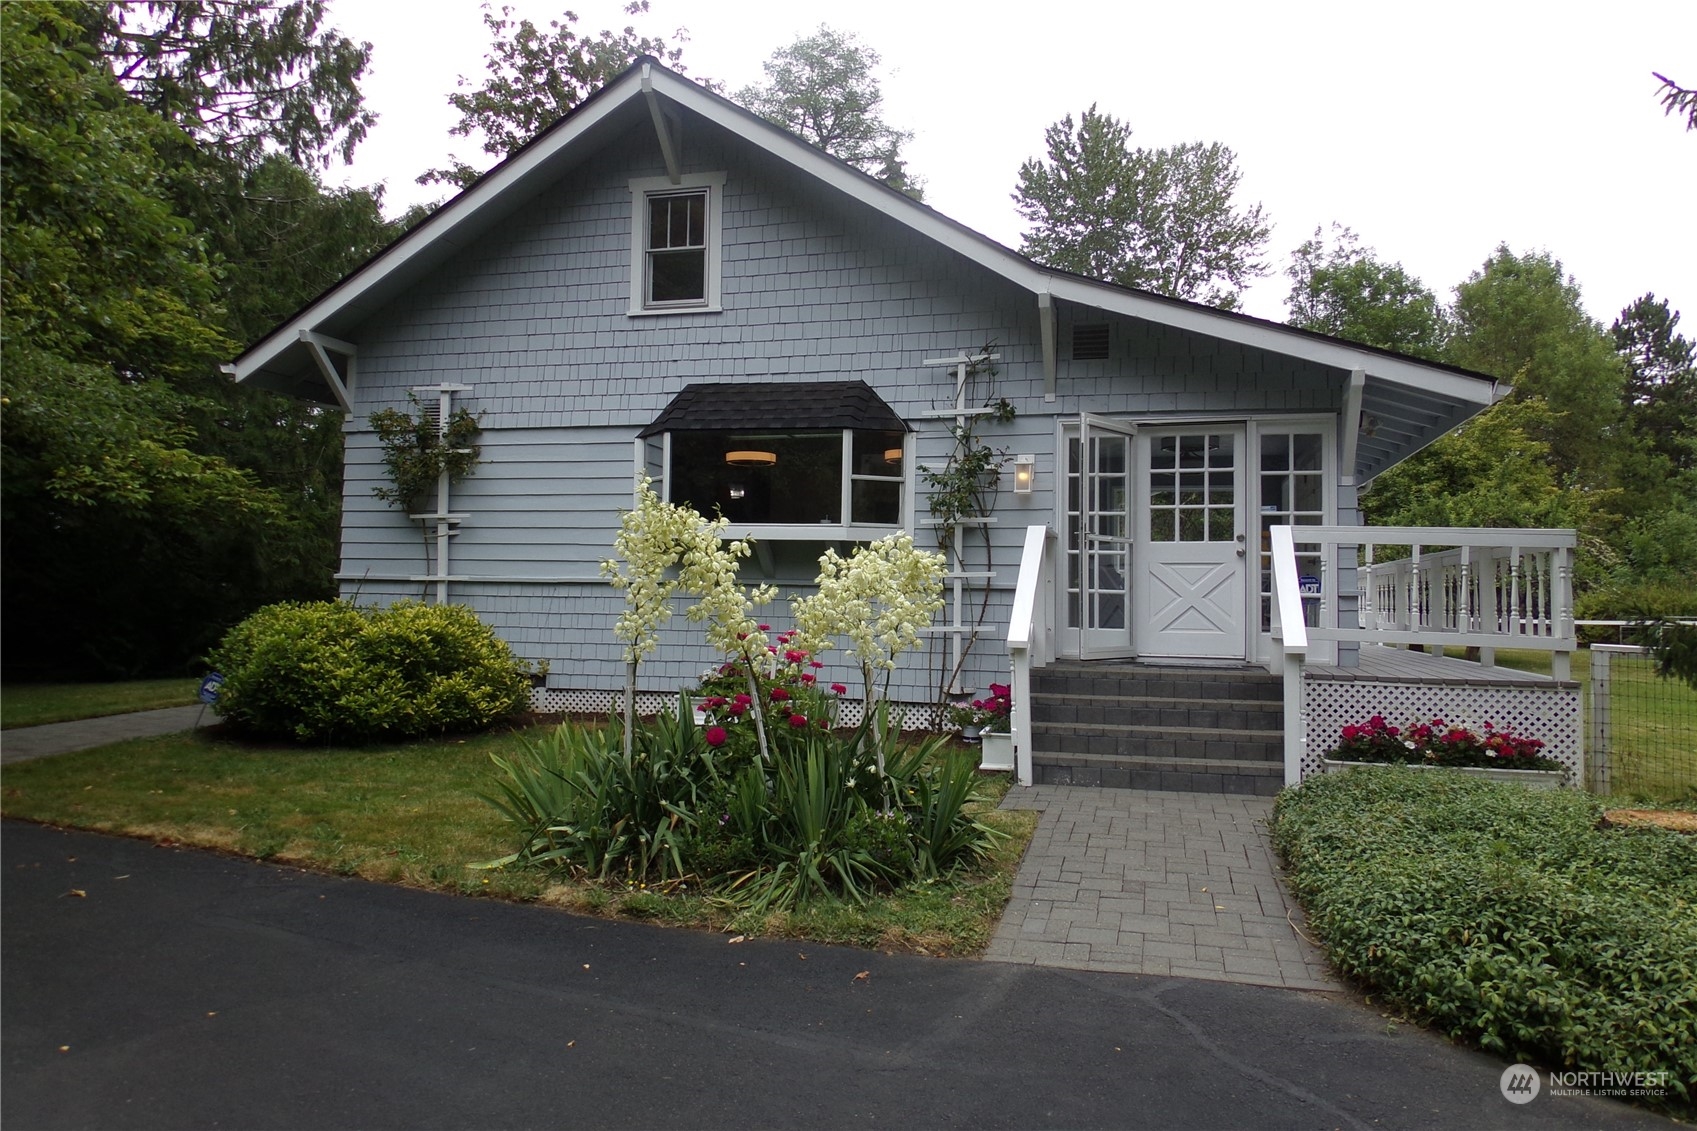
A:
x: 329, y: 671
x: 1504, y: 915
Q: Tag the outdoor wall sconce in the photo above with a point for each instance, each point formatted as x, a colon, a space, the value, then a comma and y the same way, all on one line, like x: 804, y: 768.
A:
x: 892, y: 455
x: 1024, y: 471
x: 751, y: 458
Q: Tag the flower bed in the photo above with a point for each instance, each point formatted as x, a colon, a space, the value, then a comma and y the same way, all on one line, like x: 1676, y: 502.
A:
x: 1439, y: 743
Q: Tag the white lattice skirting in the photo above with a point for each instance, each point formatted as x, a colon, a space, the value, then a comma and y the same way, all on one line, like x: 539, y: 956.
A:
x: 576, y: 701
x: 1547, y: 712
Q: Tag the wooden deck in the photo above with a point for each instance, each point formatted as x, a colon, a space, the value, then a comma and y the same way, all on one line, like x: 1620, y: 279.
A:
x: 1382, y: 664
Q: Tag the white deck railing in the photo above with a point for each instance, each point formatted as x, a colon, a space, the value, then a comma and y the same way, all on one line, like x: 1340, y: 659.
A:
x: 1483, y: 588
x: 1031, y: 640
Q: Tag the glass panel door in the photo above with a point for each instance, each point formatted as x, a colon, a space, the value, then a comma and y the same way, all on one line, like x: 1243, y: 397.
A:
x: 1098, y: 542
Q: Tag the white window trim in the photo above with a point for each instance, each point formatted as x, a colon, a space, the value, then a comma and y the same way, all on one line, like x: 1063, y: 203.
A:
x: 844, y: 531
x: 641, y: 188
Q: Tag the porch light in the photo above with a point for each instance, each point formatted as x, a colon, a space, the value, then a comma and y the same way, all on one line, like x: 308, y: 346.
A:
x: 752, y: 458
x: 1024, y: 471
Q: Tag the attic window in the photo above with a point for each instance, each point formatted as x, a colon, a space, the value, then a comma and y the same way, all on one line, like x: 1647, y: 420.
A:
x: 1090, y: 343
x: 675, y: 243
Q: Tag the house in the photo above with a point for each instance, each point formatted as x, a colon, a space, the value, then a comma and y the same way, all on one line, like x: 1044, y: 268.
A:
x: 665, y: 283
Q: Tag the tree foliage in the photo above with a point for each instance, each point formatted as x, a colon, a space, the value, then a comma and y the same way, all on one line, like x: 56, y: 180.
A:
x: 535, y: 76
x: 243, y: 77
x: 1162, y: 220
x: 1677, y: 100
x: 1346, y: 291
x: 823, y: 88
x: 148, y: 503
x: 1519, y: 319
x: 1661, y: 378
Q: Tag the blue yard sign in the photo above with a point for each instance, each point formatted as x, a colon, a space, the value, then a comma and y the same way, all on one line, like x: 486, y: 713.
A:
x: 209, y: 688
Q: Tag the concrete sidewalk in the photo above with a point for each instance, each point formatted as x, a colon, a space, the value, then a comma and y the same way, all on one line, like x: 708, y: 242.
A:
x: 1145, y: 882
x: 20, y: 744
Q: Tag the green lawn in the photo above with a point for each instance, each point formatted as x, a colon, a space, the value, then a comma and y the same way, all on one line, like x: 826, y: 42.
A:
x: 1653, y: 723
x: 32, y: 704
x: 409, y: 814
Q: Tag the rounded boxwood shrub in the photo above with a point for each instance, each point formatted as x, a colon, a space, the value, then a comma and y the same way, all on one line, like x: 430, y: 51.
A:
x: 331, y: 671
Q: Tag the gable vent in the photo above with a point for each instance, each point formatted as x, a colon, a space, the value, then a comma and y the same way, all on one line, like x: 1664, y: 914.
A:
x: 1090, y: 343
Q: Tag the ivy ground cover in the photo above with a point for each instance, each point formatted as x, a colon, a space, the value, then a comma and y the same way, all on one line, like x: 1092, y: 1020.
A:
x: 1512, y: 918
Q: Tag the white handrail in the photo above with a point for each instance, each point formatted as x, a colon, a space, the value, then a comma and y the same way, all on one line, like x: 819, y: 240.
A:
x: 1028, y: 639
x: 1290, y: 632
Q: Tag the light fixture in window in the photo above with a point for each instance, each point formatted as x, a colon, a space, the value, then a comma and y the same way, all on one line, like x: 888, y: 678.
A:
x: 1024, y: 471
x: 738, y: 491
x: 892, y: 455
x: 752, y: 458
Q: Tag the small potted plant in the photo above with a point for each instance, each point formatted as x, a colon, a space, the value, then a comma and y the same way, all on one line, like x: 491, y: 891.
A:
x: 995, y: 714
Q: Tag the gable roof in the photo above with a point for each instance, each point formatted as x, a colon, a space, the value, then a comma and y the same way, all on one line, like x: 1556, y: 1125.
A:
x: 1410, y: 402
x: 802, y: 406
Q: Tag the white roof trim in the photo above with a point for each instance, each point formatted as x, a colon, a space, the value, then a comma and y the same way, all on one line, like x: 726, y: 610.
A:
x: 640, y: 80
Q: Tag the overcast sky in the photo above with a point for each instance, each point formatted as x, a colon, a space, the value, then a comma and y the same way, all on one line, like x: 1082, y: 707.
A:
x: 1435, y: 130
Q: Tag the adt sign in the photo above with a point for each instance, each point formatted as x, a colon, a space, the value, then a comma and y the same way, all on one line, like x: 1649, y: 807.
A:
x: 209, y: 688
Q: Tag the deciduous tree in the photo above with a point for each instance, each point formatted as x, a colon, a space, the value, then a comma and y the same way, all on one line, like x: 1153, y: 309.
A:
x: 1163, y: 220
x: 535, y: 76
x: 824, y: 89
x: 1346, y: 291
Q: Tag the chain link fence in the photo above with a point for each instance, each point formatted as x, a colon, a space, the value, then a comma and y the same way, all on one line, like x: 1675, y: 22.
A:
x: 1643, y: 728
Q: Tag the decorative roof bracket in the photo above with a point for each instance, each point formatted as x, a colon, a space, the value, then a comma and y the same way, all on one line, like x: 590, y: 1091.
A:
x: 666, y: 127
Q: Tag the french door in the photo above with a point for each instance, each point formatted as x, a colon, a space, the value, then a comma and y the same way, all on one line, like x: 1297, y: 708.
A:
x: 1099, y: 541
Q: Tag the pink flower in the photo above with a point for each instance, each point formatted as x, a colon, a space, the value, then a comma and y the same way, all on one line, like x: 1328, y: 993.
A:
x: 736, y: 709
x: 814, y: 664
x: 808, y: 677
x: 839, y: 689
x: 798, y: 721
x: 794, y: 656
x: 1000, y: 690
x: 716, y: 736
x: 765, y: 628
x: 743, y: 700
x: 779, y: 695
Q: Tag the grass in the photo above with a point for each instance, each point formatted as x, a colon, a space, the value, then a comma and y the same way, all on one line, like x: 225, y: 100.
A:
x: 409, y: 814
x: 1653, y: 723
x: 33, y: 704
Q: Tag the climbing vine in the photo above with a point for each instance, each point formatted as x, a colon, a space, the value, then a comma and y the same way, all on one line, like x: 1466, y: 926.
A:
x: 965, y: 489
x: 417, y: 450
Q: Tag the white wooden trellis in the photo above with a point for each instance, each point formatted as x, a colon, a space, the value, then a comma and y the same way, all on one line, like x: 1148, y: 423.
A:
x: 447, y: 522
x: 958, y: 576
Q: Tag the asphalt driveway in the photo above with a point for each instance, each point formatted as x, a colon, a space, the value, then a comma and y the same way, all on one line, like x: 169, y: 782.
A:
x: 161, y: 987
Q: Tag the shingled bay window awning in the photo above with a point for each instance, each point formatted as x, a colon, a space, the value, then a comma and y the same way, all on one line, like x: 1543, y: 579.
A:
x: 787, y: 459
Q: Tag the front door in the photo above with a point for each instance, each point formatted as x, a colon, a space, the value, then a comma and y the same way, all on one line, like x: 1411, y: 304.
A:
x: 1098, y: 547
x: 1191, y: 569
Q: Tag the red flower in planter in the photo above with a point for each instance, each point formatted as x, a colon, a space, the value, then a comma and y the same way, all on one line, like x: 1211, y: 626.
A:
x: 779, y: 695
x: 798, y: 721
x: 716, y: 736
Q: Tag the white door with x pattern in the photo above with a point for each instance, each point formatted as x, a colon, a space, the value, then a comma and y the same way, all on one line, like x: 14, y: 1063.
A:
x: 1190, y: 587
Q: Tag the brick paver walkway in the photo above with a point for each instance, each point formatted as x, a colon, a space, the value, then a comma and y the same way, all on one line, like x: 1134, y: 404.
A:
x: 1145, y: 882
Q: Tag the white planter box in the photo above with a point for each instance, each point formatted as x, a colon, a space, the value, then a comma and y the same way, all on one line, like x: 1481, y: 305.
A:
x: 1531, y: 779
x: 995, y: 751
